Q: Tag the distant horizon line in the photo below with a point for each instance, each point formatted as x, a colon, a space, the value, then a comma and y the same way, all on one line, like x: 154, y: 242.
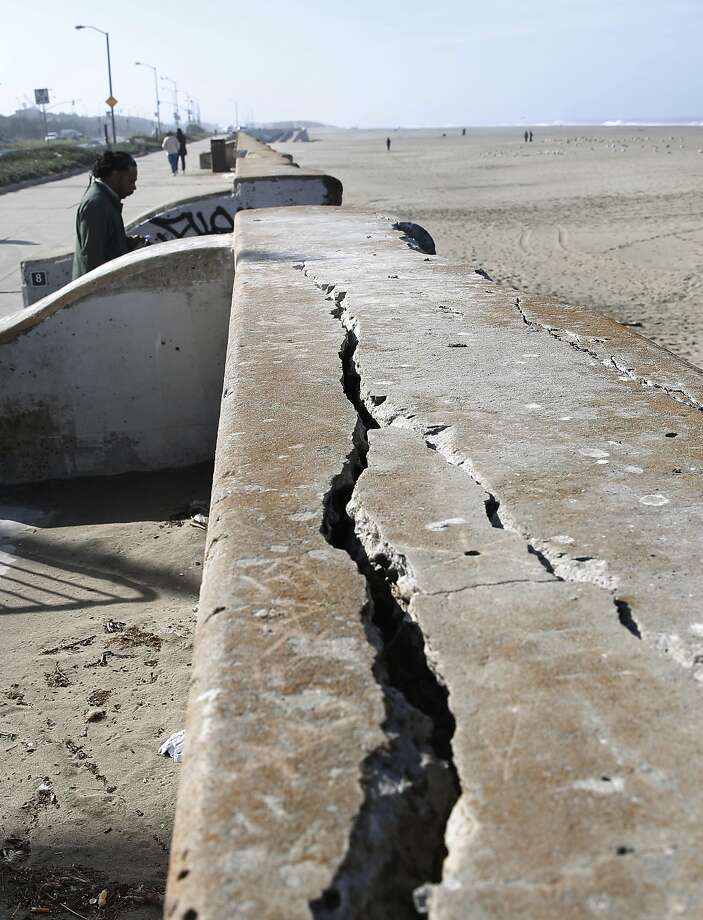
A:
x: 614, y: 123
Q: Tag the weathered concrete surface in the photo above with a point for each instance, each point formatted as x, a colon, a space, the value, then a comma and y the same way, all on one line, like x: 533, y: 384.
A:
x: 285, y: 714
x: 533, y: 512
x: 573, y: 739
x: 121, y: 370
x: 608, y: 471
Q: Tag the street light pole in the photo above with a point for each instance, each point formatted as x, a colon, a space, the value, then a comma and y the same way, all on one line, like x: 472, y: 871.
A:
x: 176, y: 114
x: 158, y: 101
x: 109, y: 75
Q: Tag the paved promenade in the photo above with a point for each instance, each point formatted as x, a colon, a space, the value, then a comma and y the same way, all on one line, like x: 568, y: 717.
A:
x: 41, y: 218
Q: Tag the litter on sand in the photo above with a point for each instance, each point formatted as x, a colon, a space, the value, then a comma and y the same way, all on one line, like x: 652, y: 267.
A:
x: 173, y: 746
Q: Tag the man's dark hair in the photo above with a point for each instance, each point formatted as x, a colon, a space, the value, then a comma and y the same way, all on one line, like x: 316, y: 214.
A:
x: 112, y: 161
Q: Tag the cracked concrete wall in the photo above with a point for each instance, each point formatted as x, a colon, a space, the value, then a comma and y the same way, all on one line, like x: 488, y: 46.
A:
x: 121, y: 370
x: 517, y: 484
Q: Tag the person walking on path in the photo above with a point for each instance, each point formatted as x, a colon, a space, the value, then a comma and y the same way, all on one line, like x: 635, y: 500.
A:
x: 182, y: 150
x: 100, y: 233
x: 172, y: 146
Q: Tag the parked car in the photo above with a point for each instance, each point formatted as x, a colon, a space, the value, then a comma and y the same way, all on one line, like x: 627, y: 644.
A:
x: 51, y: 136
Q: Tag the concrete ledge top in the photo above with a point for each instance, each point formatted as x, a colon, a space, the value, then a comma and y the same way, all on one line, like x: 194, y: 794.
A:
x: 263, y: 162
x: 281, y: 702
x: 610, y: 427
x: 521, y: 494
x: 125, y: 270
x: 249, y: 170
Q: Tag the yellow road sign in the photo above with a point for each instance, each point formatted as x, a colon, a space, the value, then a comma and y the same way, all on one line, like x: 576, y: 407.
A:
x: 111, y: 101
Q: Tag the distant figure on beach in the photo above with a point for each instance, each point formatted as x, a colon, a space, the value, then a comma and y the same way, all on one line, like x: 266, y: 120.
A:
x: 182, y: 150
x: 100, y: 233
x: 526, y: 136
x: 463, y: 132
x: 172, y: 145
x: 530, y: 136
x: 388, y: 143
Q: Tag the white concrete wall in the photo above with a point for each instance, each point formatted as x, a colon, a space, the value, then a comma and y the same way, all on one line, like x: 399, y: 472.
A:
x: 285, y: 190
x: 122, y: 370
x: 187, y: 218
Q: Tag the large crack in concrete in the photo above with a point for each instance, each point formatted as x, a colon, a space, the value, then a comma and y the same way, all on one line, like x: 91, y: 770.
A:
x: 364, y: 886
x: 611, y: 361
x: 440, y: 438
x: 559, y: 564
x: 410, y: 785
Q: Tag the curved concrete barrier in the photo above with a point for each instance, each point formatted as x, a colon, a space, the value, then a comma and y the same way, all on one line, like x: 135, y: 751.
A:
x: 122, y: 369
x: 187, y: 217
x: 448, y: 657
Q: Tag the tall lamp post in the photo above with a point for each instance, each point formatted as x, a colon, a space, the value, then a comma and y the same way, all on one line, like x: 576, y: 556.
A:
x: 156, y: 87
x: 109, y: 75
x: 176, y: 114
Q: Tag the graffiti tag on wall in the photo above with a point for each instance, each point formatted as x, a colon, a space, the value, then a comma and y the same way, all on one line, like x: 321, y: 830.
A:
x: 192, y: 223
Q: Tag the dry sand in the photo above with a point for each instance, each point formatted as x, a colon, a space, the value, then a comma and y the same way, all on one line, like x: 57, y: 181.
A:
x: 611, y: 218
x: 97, y: 612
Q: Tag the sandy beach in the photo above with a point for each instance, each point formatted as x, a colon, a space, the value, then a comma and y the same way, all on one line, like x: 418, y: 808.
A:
x: 99, y: 585
x: 611, y: 218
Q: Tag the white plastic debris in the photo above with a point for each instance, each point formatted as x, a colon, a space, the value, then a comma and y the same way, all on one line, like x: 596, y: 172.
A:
x: 173, y: 746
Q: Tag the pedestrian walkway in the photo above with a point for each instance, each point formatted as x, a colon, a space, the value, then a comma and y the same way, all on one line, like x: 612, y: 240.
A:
x: 41, y: 218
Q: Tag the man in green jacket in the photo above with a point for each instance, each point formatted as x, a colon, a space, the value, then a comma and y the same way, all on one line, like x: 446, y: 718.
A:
x: 100, y: 233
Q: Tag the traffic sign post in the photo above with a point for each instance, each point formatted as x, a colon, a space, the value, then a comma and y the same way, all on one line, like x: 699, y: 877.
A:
x: 111, y: 101
x: 41, y: 98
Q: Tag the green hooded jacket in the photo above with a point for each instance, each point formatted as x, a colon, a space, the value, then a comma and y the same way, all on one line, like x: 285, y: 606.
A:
x: 100, y: 233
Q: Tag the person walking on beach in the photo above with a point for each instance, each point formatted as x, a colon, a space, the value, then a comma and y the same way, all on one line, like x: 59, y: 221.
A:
x: 526, y: 135
x: 182, y: 150
x: 388, y: 143
x: 172, y: 145
x: 100, y: 233
x: 530, y: 136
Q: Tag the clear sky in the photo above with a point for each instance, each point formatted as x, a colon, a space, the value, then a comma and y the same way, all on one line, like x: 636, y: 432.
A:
x: 369, y: 63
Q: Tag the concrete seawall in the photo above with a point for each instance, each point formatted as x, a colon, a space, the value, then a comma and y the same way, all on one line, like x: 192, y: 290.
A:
x: 449, y: 641
x: 122, y: 369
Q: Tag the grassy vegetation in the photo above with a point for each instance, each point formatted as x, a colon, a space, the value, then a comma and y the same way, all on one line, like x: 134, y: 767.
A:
x: 38, y: 159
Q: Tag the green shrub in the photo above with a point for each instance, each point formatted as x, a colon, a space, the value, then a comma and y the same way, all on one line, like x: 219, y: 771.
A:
x: 39, y: 160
